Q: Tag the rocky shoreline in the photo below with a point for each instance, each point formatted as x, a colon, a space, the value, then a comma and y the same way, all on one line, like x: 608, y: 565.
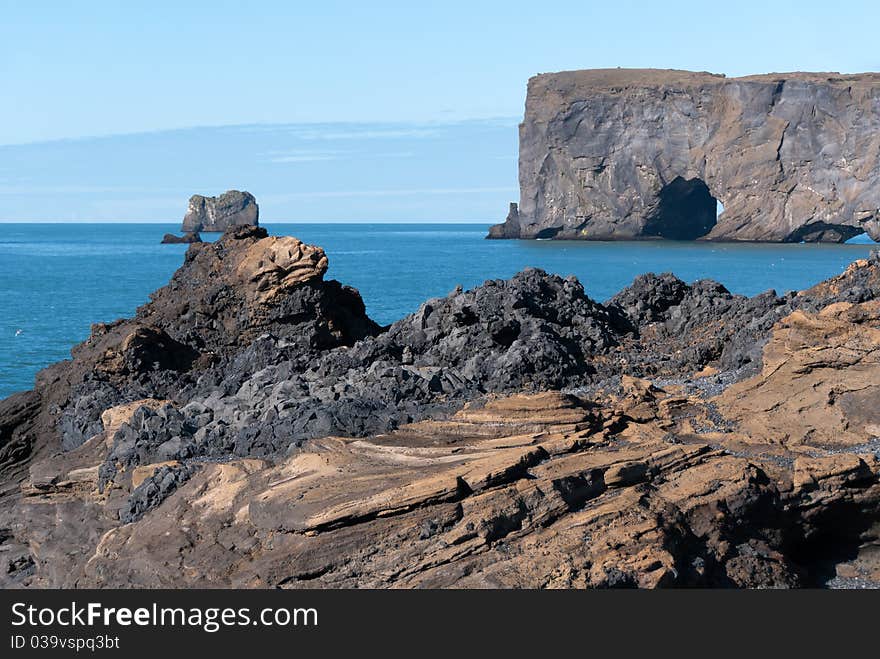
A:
x: 252, y: 426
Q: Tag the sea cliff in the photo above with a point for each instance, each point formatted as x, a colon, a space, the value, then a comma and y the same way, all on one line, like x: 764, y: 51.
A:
x: 622, y: 154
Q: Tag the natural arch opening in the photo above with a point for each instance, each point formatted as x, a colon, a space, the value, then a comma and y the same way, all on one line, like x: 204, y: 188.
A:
x: 686, y: 211
x: 823, y: 232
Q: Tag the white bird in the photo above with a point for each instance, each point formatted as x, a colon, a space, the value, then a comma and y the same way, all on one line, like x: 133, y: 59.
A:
x: 17, y: 332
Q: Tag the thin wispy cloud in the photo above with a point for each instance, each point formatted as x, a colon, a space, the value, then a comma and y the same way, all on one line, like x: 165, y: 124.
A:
x: 71, y: 189
x: 367, y: 134
x: 299, y: 156
x: 341, y: 132
x: 303, y: 158
x: 409, y: 192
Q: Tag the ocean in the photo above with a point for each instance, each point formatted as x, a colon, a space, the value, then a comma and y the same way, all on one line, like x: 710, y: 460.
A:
x: 58, y: 279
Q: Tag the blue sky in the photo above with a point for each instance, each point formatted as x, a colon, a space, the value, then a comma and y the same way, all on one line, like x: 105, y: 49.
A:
x: 404, y: 171
x: 76, y: 70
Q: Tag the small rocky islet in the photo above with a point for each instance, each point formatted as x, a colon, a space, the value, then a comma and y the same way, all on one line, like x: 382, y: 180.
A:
x: 185, y: 239
x: 215, y: 215
x: 251, y: 426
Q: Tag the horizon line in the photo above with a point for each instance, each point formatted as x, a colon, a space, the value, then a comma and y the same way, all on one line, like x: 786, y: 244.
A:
x: 345, y: 221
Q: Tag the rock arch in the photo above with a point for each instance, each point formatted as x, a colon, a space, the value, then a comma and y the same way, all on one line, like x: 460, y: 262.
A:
x: 686, y: 210
x: 791, y: 156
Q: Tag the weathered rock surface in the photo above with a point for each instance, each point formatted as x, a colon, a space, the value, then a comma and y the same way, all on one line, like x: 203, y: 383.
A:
x: 215, y: 307
x: 185, y: 239
x: 250, y: 426
x: 232, y: 208
x: 547, y: 490
x: 628, y: 154
x: 820, y: 368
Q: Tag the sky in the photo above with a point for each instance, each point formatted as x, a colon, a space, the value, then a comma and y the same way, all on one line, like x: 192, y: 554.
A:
x: 77, y: 71
x: 406, y: 171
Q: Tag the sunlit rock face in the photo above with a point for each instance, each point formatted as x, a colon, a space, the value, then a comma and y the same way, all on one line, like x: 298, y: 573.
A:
x: 629, y: 154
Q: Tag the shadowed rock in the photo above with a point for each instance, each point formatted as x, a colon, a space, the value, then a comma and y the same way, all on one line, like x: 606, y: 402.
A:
x: 171, y: 239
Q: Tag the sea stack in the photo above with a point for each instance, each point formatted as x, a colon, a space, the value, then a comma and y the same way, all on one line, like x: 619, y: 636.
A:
x: 623, y: 154
x: 217, y: 214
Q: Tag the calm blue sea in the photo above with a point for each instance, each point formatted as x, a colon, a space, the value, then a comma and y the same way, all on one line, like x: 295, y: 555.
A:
x: 57, y: 279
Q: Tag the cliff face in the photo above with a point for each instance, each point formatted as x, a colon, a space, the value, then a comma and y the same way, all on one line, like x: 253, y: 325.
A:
x: 217, y: 214
x: 628, y: 154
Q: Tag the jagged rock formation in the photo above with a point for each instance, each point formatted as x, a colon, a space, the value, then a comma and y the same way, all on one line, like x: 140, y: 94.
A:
x: 215, y: 214
x: 218, y: 304
x: 629, y: 154
x: 250, y: 426
x: 185, y: 239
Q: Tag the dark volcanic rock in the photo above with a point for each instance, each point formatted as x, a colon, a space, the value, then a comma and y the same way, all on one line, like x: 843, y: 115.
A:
x: 150, y: 436
x: 16, y: 433
x: 225, y: 296
x: 510, y: 228
x: 620, y: 154
x: 153, y: 491
x: 230, y: 209
x: 680, y: 328
x: 191, y: 237
x: 533, y: 331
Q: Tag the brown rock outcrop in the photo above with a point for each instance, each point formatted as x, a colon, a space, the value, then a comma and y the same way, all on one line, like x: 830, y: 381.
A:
x: 230, y: 291
x: 820, y: 383
x: 273, y: 265
x: 616, y: 154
